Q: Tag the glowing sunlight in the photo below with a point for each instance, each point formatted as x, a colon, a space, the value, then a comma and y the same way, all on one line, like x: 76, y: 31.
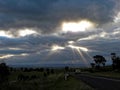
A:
x: 56, y: 47
x: 4, y: 34
x: 78, y: 48
x: 26, y: 32
x: 77, y: 26
x: 6, y: 56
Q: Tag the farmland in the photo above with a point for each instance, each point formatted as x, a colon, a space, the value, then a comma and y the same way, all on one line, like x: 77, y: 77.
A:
x: 42, y: 80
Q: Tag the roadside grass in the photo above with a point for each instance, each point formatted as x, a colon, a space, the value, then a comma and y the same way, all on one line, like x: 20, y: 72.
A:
x: 70, y: 84
x: 109, y: 74
x: 106, y: 71
x: 51, y: 82
x: 13, y: 75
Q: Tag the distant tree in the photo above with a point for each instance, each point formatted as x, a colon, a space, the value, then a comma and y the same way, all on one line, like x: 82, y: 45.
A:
x: 45, y: 74
x: 4, y: 72
x: 52, y: 71
x: 11, y: 69
x: 66, y: 68
x: 48, y: 71
x: 22, y: 69
x: 36, y: 69
x: 31, y: 69
x: 99, y: 60
x: 118, y: 63
x: 41, y: 69
x: 26, y: 69
x: 93, y: 65
x: 115, y: 61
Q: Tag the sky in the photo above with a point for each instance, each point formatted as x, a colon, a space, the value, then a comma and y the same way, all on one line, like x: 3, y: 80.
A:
x: 38, y: 32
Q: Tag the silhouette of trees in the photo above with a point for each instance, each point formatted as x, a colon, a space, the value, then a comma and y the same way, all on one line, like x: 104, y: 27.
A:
x: 99, y: 60
x: 93, y: 65
x: 45, y: 74
x: 52, y: 71
x: 4, y: 72
x: 115, y: 61
x: 48, y: 71
x: 66, y: 68
x: 41, y: 70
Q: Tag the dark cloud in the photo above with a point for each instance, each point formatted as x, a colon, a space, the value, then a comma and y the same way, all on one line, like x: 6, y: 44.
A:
x: 38, y: 50
x: 27, y: 42
x: 87, y: 9
x: 61, y: 57
x: 8, y: 42
x: 46, y: 15
x: 8, y: 51
x: 70, y: 56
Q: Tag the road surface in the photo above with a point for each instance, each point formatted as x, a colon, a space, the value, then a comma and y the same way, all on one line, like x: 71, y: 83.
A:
x: 99, y: 83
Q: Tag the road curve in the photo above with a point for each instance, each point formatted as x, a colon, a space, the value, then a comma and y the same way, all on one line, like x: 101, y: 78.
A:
x: 99, y: 83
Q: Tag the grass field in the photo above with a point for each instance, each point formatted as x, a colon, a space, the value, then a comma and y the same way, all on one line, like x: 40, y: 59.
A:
x: 104, y: 72
x: 109, y: 74
x: 51, y: 82
x: 70, y: 84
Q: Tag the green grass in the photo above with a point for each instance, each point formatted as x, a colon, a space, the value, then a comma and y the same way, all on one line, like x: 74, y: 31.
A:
x: 52, y: 82
x: 70, y: 84
x: 13, y: 75
x: 109, y: 74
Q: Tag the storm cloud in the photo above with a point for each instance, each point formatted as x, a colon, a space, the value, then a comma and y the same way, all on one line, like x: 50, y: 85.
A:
x: 30, y: 31
x: 47, y: 15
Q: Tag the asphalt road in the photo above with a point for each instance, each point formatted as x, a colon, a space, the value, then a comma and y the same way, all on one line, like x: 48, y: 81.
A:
x: 99, y: 83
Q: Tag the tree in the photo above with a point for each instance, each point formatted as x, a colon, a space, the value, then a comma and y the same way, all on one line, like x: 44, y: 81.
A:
x: 118, y: 63
x: 52, y: 71
x: 4, y: 72
x: 48, y: 71
x: 93, y: 65
x: 115, y: 61
x: 66, y: 68
x: 41, y: 69
x: 99, y: 60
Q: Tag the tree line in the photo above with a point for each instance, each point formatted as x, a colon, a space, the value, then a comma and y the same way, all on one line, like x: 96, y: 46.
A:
x: 100, y: 61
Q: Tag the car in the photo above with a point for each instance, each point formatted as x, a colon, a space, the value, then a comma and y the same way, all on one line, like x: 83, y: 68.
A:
x: 77, y: 71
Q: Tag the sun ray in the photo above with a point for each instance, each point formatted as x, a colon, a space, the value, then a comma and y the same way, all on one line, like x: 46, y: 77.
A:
x: 78, y: 47
x: 83, y: 58
x: 6, y: 56
x: 55, y: 49
x: 79, y: 50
